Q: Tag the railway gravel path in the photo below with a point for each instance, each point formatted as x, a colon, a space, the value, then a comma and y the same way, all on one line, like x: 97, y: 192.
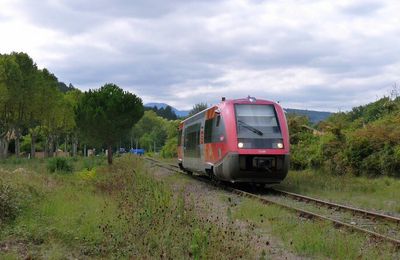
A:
x: 213, y: 203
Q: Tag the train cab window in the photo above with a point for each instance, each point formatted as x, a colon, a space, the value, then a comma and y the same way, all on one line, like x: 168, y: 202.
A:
x: 214, y: 129
x: 258, y: 126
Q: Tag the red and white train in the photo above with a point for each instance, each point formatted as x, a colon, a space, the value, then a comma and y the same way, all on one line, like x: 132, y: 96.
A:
x: 241, y: 140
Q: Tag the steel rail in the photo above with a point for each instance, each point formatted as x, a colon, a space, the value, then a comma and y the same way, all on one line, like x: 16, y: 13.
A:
x: 370, y: 214
x: 302, y: 212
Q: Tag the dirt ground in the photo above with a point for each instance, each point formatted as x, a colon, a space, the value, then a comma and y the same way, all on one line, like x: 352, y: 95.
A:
x: 214, y: 204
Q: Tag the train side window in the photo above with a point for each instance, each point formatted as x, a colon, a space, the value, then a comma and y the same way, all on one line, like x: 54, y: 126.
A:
x: 208, y: 130
x: 192, y: 141
x: 218, y: 120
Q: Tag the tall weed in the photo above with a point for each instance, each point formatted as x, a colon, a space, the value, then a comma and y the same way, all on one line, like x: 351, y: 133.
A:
x: 59, y: 164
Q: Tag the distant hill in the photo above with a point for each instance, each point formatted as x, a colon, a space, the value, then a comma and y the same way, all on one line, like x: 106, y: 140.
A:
x: 179, y: 113
x: 314, y: 116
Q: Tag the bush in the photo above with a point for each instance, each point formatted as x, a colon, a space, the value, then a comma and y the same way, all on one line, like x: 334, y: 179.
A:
x: 59, y: 164
x: 9, y: 203
x: 169, y: 150
x: 92, y: 162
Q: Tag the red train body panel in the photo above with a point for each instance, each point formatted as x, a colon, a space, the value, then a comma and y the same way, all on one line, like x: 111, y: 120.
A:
x: 241, y: 140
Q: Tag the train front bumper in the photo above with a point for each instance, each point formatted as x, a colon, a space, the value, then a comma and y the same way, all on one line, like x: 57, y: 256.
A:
x: 253, y: 168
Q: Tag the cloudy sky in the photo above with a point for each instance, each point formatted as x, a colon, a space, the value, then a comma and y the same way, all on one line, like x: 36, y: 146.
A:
x: 325, y: 55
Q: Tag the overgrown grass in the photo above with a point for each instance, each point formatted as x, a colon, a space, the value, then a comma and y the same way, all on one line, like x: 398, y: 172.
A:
x: 371, y: 193
x: 107, y: 212
x: 59, y: 164
x: 13, y: 163
x: 311, y: 238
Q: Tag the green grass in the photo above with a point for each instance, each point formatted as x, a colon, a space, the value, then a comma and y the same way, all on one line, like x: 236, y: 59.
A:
x: 106, y: 212
x: 311, y: 238
x: 370, y: 193
x: 13, y: 163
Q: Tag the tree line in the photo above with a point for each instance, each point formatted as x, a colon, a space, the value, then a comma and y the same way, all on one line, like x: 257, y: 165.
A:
x: 48, y: 115
x: 32, y: 104
x: 40, y: 113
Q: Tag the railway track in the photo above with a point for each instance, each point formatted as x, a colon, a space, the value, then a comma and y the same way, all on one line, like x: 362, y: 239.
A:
x: 379, y: 226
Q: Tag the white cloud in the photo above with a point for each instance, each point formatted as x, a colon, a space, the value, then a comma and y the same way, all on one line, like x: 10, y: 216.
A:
x: 308, y: 54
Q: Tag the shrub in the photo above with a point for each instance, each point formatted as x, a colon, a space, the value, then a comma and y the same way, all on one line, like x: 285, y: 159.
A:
x: 9, y: 203
x: 169, y: 150
x: 92, y: 162
x: 59, y: 164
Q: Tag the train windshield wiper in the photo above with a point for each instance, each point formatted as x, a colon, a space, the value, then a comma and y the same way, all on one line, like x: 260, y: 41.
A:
x: 253, y: 129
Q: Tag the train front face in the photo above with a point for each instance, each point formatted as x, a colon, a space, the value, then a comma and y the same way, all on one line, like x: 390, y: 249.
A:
x: 258, y: 143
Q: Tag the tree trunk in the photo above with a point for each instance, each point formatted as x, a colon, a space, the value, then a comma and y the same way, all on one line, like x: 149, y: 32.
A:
x: 51, y: 146
x: 3, y: 147
x: 17, y: 143
x: 74, y: 146
x: 65, y: 143
x: 33, y: 143
x: 56, y: 145
x: 109, y: 154
x: 46, y: 148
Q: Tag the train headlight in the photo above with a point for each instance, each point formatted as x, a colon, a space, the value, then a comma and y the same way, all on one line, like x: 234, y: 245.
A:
x: 240, y: 145
x: 279, y: 145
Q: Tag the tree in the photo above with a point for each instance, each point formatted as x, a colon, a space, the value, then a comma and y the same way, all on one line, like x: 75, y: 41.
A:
x: 198, y: 108
x: 72, y: 98
x: 106, y: 114
x: 22, y: 94
x: 47, y: 99
x: 150, y: 130
x: 10, y: 80
x: 170, y: 150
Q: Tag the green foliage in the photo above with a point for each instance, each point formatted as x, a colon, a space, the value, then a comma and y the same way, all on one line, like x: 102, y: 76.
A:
x: 169, y: 150
x: 59, y: 164
x: 151, y: 131
x: 296, y: 126
x: 106, y: 114
x: 373, y: 149
x: 31, y: 102
x: 362, y: 141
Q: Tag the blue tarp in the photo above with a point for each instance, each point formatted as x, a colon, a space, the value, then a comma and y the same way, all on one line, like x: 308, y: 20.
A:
x: 137, y: 151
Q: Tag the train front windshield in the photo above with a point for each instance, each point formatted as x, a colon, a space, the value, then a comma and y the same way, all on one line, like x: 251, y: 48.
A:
x: 258, y: 127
